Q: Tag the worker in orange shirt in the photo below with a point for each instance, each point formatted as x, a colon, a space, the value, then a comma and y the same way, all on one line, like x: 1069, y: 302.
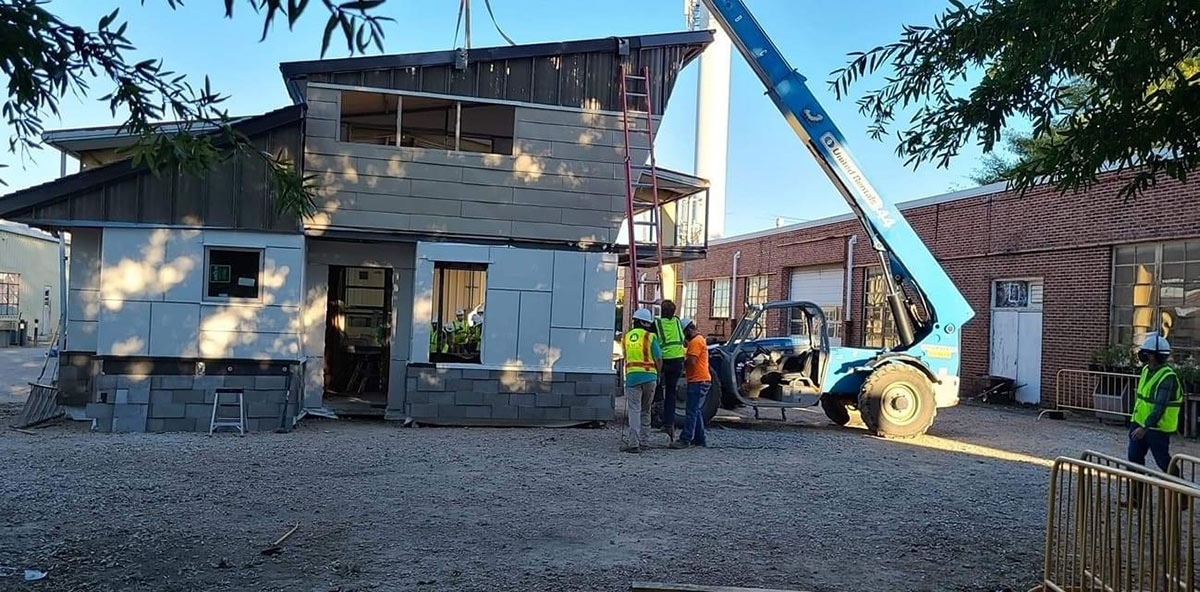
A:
x: 699, y: 380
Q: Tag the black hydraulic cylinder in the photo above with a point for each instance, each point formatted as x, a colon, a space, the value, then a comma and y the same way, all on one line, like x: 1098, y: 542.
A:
x: 904, y: 328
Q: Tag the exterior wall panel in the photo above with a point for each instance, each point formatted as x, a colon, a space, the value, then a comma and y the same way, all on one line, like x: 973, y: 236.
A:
x: 562, y: 186
x: 151, y: 296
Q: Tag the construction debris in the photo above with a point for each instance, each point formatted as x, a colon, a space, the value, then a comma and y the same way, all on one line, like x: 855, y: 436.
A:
x: 274, y: 549
x: 29, y: 575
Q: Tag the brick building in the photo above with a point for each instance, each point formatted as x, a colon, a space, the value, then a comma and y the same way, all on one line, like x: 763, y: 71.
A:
x: 1052, y: 277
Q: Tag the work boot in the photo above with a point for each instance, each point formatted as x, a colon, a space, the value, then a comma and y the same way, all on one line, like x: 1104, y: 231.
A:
x: 680, y: 445
x: 631, y: 448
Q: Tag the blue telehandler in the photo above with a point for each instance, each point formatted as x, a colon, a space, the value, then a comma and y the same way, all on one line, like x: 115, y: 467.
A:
x: 779, y: 354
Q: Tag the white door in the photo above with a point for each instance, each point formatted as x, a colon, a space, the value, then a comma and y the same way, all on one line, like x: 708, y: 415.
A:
x: 1016, y: 346
x: 822, y: 286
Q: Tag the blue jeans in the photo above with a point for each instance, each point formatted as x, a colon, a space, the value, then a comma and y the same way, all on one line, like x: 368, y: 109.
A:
x: 1155, y: 442
x: 693, y: 423
x: 672, y: 371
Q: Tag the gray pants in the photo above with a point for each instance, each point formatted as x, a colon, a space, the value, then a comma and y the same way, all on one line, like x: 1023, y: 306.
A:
x: 638, y: 402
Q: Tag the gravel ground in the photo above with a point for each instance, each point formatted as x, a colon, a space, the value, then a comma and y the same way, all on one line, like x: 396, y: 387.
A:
x: 801, y: 505
x: 19, y: 366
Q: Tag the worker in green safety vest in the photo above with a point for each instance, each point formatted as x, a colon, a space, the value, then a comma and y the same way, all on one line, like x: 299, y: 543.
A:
x: 1156, y: 410
x: 460, y: 333
x: 670, y: 336
x: 436, y: 343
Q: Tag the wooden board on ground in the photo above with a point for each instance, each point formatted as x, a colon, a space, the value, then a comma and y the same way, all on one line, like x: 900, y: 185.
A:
x: 660, y: 587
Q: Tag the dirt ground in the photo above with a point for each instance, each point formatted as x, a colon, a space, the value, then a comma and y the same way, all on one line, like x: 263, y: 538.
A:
x: 802, y: 505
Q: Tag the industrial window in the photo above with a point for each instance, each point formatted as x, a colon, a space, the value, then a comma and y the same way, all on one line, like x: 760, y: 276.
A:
x: 233, y: 273
x: 10, y: 294
x: 689, y: 297
x: 720, y: 298
x: 756, y: 290
x: 1156, y: 287
x: 368, y: 118
x: 878, y: 329
x: 457, y: 288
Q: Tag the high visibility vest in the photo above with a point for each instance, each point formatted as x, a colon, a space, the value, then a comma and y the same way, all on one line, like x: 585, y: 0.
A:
x: 433, y: 341
x: 671, y: 335
x: 461, y: 332
x: 639, y: 351
x: 1146, y: 389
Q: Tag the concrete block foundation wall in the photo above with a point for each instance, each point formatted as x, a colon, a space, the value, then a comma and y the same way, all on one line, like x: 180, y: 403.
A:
x: 183, y: 403
x: 462, y: 396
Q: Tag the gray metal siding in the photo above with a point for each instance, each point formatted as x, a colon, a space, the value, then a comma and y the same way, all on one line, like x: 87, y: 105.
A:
x: 36, y: 260
x: 564, y: 182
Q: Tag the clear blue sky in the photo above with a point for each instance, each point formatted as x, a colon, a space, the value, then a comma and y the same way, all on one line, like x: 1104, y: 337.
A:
x: 770, y: 174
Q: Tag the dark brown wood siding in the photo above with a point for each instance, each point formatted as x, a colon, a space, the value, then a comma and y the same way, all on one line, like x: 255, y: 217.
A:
x: 588, y: 80
x: 235, y: 194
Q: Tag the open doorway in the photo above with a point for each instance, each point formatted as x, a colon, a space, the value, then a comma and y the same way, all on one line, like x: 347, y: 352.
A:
x: 358, y: 339
x: 456, y: 335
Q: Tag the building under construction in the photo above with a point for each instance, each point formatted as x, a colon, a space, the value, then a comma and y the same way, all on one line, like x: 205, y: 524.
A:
x: 461, y: 267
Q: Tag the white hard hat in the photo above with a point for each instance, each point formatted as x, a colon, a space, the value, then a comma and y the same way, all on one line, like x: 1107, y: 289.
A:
x: 644, y: 315
x: 1156, y: 343
x: 685, y: 322
x: 459, y: 313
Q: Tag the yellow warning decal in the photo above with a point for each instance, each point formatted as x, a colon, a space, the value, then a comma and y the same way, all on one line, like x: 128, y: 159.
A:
x: 944, y: 352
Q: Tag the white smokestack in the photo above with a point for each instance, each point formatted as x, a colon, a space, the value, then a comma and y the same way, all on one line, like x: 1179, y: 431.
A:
x: 712, y: 114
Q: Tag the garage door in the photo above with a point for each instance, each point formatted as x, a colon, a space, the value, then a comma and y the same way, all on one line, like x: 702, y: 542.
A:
x: 822, y: 285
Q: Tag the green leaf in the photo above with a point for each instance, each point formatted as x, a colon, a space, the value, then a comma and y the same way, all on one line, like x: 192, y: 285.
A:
x: 362, y: 5
x: 330, y: 25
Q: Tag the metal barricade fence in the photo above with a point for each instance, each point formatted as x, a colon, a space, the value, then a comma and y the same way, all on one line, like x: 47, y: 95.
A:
x: 1126, y: 465
x: 1110, y: 529
x: 1102, y: 393
x: 1185, y: 467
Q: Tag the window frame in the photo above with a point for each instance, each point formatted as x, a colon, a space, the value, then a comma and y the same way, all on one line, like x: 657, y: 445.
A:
x: 12, y: 287
x: 438, y: 311
x: 1158, y: 283
x: 764, y: 290
x: 727, y: 306
x: 887, y: 338
x: 458, y: 109
x: 689, y: 299
x: 262, y: 256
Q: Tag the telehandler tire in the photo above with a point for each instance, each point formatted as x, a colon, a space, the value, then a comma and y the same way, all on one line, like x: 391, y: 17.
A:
x: 896, y: 401
x: 712, y: 402
x: 836, y: 408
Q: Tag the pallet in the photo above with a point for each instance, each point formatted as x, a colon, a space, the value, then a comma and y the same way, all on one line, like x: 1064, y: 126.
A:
x: 41, y: 406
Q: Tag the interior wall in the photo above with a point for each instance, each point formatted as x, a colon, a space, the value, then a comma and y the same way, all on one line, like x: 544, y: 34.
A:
x: 545, y: 309
x: 324, y: 253
x: 151, y: 298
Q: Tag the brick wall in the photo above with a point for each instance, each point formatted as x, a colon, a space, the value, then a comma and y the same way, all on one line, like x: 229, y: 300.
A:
x: 1064, y: 238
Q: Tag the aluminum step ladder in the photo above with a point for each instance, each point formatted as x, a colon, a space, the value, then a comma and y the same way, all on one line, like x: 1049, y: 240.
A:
x: 645, y: 248
x: 219, y: 421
